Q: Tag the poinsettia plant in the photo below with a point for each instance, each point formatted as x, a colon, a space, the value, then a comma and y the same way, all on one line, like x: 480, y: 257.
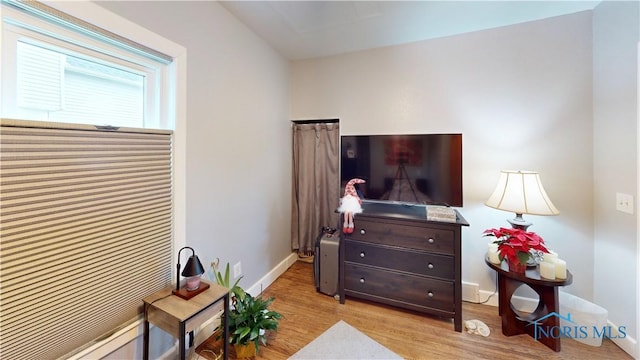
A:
x: 517, y: 245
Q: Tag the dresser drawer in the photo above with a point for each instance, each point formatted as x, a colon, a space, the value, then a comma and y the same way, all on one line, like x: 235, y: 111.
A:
x: 412, y: 261
x: 426, y: 238
x: 397, y: 286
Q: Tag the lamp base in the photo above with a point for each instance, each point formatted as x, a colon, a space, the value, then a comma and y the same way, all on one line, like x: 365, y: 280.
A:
x: 188, y: 294
x: 519, y: 223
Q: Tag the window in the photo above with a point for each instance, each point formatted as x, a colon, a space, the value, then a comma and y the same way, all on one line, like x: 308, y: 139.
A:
x: 68, y: 88
x: 54, y: 73
x: 54, y: 70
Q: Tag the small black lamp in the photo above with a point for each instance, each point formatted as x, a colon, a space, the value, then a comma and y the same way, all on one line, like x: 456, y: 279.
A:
x: 192, y: 271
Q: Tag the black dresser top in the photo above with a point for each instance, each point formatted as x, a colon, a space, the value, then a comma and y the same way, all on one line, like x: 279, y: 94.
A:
x: 400, y: 210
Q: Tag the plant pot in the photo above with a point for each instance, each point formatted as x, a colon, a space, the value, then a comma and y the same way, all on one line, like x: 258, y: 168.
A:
x: 244, y: 351
x: 517, y: 267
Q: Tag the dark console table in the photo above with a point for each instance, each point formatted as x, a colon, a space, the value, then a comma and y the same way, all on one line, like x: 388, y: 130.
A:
x: 515, y: 322
x: 397, y: 257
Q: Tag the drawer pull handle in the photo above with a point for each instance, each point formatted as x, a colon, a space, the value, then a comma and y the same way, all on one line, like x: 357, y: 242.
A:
x: 430, y: 266
x: 430, y: 294
x: 362, y: 232
x: 361, y: 280
x: 362, y: 254
x: 431, y: 241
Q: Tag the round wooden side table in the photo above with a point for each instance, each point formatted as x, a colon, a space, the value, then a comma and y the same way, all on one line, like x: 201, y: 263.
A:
x: 546, y: 315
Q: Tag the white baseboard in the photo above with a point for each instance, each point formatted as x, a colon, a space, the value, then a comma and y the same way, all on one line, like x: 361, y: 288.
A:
x: 209, y: 326
x: 118, y: 339
x: 491, y: 298
x: 486, y: 298
x: 272, y: 275
x: 133, y: 332
x: 627, y: 343
x: 470, y: 292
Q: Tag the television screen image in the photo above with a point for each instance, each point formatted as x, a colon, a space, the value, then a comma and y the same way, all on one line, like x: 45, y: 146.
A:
x: 416, y: 168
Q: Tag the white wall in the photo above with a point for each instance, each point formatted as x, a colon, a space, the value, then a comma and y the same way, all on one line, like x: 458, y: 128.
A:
x: 615, y: 61
x: 238, y: 133
x: 521, y: 95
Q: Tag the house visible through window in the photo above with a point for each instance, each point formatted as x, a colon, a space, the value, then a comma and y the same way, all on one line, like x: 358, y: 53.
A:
x: 55, y: 72
x: 67, y: 88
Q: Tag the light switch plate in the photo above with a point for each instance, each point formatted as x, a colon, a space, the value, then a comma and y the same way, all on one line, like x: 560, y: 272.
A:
x: 624, y: 203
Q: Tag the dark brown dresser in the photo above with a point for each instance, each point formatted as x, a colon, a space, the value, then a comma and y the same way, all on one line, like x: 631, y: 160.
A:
x: 396, y: 257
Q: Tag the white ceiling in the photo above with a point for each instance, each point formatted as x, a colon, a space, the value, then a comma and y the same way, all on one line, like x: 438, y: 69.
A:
x: 308, y: 29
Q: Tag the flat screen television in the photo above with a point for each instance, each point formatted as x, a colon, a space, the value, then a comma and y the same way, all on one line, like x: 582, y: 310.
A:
x: 415, y: 169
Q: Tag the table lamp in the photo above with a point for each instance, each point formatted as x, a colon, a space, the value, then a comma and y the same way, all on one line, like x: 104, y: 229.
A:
x: 192, y: 271
x: 521, y: 192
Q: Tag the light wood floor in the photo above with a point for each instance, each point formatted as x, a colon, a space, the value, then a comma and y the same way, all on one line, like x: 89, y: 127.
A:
x: 307, y: 314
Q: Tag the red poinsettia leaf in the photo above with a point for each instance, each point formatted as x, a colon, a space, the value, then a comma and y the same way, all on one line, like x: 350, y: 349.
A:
x: 542, y: 248
x: 498, y: 233
x: 507, y: 252
x: 490, y: 232
x: 534, y: 239
x: 515, y: 244
x: 522, y: 237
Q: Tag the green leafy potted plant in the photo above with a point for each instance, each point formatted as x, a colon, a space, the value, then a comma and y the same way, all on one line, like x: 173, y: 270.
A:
x: 248, y: 323
x: 249, y: 316
x: 224, y: 280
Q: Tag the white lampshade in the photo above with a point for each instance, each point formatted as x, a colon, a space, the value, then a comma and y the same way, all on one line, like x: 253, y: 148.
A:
x: 521, y: 192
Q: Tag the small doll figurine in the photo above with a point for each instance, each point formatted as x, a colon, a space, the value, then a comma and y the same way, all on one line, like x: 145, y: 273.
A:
x: 350, y: 204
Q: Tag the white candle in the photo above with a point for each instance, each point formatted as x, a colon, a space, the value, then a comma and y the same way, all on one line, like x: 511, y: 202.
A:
x: 492, y: 251
x: 561, y: 269
x: 550, y: 257
x: 547, y: 270
x: 494, y: 257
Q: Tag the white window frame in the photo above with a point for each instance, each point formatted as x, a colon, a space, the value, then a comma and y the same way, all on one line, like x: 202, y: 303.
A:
x: 174, y: 98
x: 23, y: 27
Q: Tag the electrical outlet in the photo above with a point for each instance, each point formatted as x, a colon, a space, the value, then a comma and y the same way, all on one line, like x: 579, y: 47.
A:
x: 624, y: 203
x: 237, y: 270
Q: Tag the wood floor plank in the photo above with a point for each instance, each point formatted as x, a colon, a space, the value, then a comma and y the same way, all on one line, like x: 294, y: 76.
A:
x: 307, y: 314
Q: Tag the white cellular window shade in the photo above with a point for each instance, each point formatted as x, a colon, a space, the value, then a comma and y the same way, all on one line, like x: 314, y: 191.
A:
x: 86, y: 232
